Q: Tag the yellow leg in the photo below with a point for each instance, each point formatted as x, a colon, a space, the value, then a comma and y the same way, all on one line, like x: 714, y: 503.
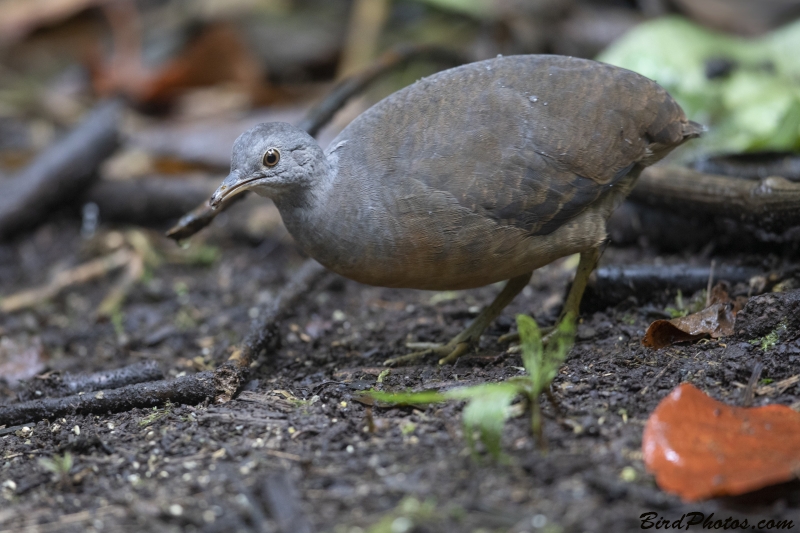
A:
x: 462, y: 342
x: 586, y: 266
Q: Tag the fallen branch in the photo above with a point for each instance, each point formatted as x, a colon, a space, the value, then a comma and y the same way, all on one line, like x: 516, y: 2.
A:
x: 56, y: 386
x: 752, y: 166
x: 220, y: 385
x: 184, y: 390
x: 60, y: 173
x: 202, y: 215
x: 263, y: 330
x: 771, y: 203
x: 149, y: 200
x: 611, y: 285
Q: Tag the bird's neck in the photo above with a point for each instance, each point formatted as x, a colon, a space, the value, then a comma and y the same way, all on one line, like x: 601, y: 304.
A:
x: 309, y: 190
x: 334, y: 220
x: 307, y: 203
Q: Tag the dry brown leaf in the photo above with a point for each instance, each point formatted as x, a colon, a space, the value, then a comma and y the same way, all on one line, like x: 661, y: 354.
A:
x: 217, y: 55
x: 714, y: 321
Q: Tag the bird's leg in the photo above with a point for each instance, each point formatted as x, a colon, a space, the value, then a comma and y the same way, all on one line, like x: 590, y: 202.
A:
x: 461, y: 342
x: 571, y: 309
x: 586, y: 266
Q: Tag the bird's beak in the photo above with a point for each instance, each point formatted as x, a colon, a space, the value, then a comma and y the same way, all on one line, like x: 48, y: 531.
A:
x: 231, y: 186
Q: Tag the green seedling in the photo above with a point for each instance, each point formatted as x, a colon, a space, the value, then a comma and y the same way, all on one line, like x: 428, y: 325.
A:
x: 770, y: 340
x: 488, y: 405
x: 682, y: 308
x: 156, y: 415
x: 58, y: 465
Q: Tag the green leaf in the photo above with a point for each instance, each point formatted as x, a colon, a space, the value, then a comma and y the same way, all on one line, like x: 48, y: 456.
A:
x: 408, y: 398
x: 486, y: 412
x: 542, y: 363
x: 530, y: 339
x: 488, y: 404
x: 756, y: 107
x: 479, y: 9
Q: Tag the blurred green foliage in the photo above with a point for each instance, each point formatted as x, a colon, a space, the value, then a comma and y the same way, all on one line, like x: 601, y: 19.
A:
x: 755, y: 106
x: 474, y: 8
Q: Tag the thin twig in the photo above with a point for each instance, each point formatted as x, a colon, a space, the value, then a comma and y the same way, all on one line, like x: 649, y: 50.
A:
x: 116, y: 296
x: 749, y: 390
x: 75, y: 276
x: 658, y: 376
x: 220, y: 385
x: 229, y: 377
x: 55, y: 386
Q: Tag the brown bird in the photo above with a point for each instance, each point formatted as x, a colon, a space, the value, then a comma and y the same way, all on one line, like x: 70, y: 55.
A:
x: 474, y: 175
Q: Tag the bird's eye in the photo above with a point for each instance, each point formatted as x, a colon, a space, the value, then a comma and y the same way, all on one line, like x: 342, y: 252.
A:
x: 271, y: 157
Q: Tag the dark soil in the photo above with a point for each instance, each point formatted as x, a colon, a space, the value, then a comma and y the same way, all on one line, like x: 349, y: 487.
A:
x: 295, y: 452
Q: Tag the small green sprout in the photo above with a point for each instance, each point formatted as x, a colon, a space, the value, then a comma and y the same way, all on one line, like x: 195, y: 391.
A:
x: 771, y: 339
x: 488, y: 405
x: 59, y: 466
x: 156, y: 415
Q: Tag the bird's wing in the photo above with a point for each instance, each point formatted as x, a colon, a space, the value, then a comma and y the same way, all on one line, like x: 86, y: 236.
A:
x: 528, y: 141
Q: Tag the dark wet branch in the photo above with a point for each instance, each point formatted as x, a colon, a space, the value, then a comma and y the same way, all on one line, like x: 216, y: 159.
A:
x: 771, y: 203
x: 202, y: 215
x: 752, y: 166
x: 611, y: 285
x: 184, y: 390
x: 264, y: 330
x: 220, y: 385
x: 60, y: 173
x: 149, y: 200
x: 68, y: 384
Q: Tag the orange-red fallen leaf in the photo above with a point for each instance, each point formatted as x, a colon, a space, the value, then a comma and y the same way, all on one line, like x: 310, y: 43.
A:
x: 714, y: 321
x: 700, y: 448
x: 217, y: 55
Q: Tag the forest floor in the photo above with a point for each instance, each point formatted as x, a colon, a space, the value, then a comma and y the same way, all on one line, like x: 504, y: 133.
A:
x: 301, y: 434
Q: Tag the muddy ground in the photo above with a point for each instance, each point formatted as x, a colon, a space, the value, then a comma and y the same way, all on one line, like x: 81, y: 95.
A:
x: 294, y: 452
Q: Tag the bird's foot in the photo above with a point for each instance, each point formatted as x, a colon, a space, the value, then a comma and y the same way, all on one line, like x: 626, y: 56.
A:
x: 447, y: 353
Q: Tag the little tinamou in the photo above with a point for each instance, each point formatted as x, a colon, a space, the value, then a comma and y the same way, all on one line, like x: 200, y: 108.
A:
x: 474, y: 175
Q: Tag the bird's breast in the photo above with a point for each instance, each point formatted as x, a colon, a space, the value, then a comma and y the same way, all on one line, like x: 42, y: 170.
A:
x: 426, y: 240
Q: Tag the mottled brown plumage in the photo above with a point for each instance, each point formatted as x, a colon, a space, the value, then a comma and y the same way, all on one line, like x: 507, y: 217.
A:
x: 474, y: 175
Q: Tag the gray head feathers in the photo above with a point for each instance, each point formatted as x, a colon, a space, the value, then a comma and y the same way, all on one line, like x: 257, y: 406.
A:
x: 273, y: 159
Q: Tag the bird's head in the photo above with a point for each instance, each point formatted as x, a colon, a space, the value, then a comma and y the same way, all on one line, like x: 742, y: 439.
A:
x: 272, y: 159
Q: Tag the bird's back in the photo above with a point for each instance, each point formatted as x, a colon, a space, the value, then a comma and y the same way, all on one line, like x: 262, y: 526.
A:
x: 489, y: 170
